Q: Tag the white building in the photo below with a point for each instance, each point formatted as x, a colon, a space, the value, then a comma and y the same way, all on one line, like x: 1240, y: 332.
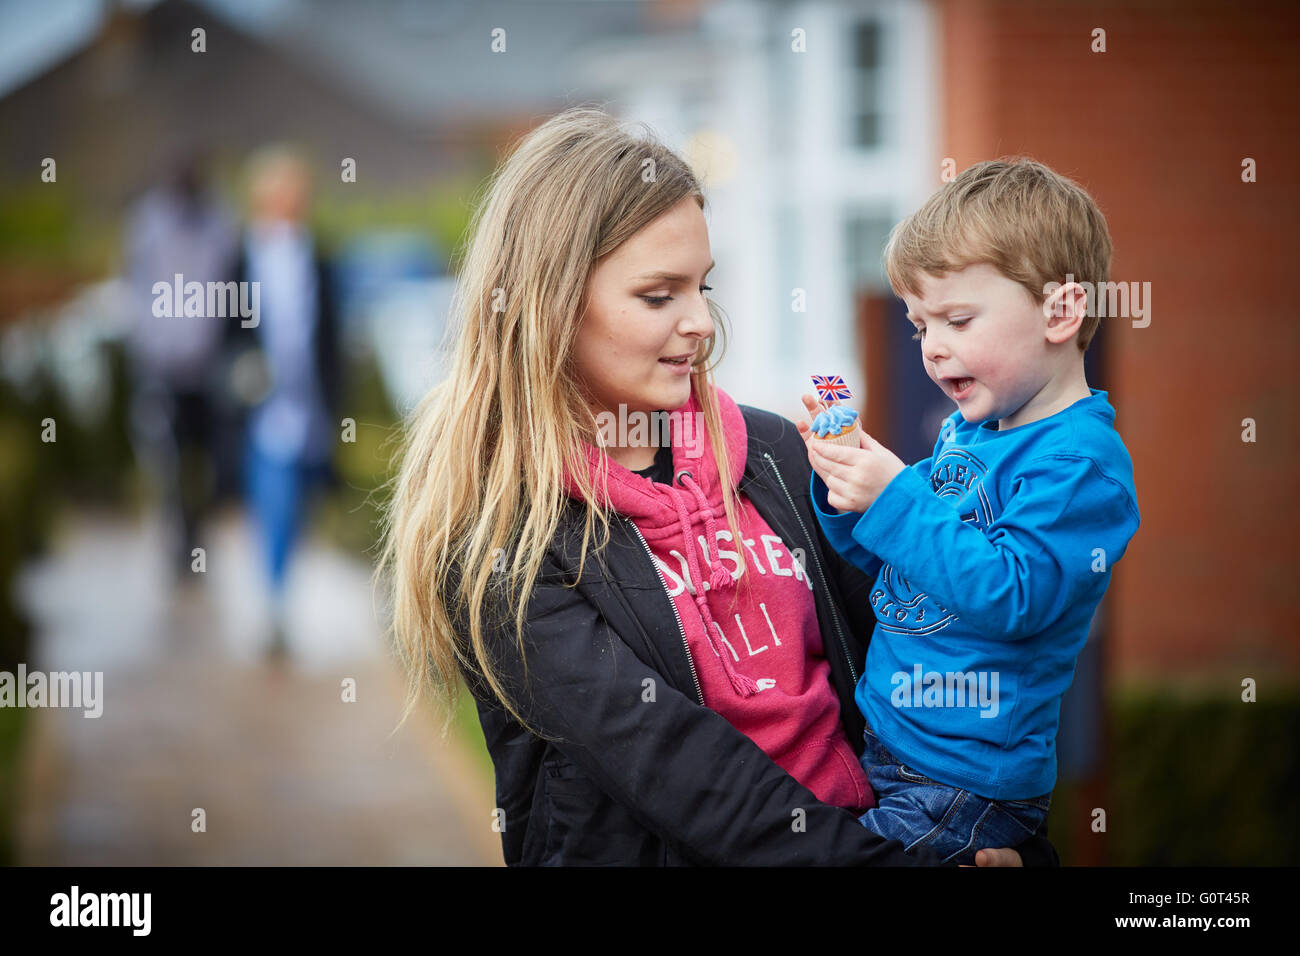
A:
x: 805, y: 120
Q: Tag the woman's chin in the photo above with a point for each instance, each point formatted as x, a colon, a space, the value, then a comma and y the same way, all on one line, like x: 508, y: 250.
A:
x: 675, y: 394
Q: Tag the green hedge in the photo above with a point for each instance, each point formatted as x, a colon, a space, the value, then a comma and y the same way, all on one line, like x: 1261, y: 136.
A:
x: 11, y: 736
x: 28, y: 471
x: 1192, y: 779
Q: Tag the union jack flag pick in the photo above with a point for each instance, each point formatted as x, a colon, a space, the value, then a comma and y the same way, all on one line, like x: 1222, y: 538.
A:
x: 831, y: 388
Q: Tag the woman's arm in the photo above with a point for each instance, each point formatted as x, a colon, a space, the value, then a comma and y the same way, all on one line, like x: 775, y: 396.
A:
x: 680, y: 767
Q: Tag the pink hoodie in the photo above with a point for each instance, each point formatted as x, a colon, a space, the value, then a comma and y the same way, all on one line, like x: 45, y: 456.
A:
x: 757, y: 650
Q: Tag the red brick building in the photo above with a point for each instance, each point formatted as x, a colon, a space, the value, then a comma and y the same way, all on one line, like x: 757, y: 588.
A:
x: 1156, y: 127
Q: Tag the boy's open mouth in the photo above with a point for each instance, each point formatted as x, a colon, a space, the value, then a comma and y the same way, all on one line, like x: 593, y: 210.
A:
x: 960, y: 386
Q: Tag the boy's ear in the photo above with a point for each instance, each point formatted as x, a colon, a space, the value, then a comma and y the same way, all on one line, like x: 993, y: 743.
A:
x: 1065, y: 309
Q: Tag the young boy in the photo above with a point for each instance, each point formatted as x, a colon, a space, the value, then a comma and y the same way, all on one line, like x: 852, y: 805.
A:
x: 991, y: 555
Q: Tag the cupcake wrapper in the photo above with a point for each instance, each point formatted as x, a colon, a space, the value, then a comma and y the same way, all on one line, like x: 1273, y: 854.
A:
x: 849, y: 439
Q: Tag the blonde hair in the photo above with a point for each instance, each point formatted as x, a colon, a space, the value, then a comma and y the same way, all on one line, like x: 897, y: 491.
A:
x: 1031, y: 224
x: 481, y: 481
x: 278, y: 183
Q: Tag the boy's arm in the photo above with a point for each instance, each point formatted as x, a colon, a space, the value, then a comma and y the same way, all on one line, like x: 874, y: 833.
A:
x: 1010, y: 581
x: 838, y: 525
x: 838, y: 528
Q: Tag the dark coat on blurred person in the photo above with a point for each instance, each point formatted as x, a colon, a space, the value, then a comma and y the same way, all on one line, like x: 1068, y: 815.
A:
x: 246, y: 368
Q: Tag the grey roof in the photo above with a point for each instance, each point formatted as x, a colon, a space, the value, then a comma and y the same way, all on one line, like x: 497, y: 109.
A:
x: 413, y: 60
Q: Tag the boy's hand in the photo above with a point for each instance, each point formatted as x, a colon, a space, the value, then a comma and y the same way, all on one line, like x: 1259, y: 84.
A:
x: 814, y: 408
x: 854, y: 477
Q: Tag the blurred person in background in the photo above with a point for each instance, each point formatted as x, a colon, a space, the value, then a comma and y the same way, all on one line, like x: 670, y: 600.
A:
x: 176, y: 228
x: 286, y: 368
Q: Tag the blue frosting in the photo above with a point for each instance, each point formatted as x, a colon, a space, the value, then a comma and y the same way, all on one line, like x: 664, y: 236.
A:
x: 833, y: 421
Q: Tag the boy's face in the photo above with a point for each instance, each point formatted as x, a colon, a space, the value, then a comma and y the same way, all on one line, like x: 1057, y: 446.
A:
x: 983, y: 341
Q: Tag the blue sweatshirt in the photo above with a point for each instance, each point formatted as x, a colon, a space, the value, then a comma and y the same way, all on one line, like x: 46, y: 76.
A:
x: 990, y: 558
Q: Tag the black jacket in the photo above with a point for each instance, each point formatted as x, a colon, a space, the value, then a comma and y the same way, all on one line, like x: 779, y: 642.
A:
x: 669, y: 781
x: 234, y: 413
x: 325, y: 333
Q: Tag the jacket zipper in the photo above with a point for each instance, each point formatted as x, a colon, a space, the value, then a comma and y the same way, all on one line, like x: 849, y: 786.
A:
x: 699, y: 694
x: 821, y: 574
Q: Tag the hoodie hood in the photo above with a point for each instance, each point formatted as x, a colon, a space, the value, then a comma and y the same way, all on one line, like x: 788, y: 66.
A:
x: 693, y: 504
x: 640, y: 498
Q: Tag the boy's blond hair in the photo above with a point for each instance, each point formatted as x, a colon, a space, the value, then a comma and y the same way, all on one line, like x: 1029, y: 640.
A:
x: 1031, y: 224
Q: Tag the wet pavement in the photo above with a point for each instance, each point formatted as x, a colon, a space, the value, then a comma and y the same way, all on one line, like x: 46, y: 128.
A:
x: 196, y: 717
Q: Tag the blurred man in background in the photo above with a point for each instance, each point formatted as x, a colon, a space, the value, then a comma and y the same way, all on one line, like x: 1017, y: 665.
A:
x: 177, y: 228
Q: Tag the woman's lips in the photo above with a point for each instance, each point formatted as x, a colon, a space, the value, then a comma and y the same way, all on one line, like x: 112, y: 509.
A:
x: 680, y: 367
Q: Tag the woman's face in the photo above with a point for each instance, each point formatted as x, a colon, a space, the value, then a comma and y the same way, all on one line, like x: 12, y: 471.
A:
x: 645, y: 308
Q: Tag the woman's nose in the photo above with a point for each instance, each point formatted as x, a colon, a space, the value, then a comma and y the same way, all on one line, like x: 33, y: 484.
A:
x: 698, y: 320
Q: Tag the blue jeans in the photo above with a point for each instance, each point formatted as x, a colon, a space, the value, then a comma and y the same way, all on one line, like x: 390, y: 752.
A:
x: 955, y: 823
x: 277, y: 492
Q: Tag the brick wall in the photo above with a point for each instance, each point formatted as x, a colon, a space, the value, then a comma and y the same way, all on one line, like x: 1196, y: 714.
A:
x: 1156, y: 129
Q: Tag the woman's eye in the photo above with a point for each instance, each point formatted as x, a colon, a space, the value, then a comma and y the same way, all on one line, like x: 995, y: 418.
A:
x: 658, y: 300
x: 918, y: 335
x: 958, y: 323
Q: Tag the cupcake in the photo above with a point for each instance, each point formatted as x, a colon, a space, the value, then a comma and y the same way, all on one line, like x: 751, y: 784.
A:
x: 838, y: 424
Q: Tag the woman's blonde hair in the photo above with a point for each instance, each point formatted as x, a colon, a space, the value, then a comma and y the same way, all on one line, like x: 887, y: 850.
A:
x: 480, y: 493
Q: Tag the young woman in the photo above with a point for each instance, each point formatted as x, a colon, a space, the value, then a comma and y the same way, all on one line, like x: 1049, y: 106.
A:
x: 661, y: 646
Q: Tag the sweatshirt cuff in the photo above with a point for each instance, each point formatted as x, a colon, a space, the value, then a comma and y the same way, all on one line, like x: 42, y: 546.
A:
x: 892, y: 511
x: 831, y: 519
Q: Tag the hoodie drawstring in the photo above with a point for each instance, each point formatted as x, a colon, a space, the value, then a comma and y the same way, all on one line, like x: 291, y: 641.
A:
x: 719, y: 579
